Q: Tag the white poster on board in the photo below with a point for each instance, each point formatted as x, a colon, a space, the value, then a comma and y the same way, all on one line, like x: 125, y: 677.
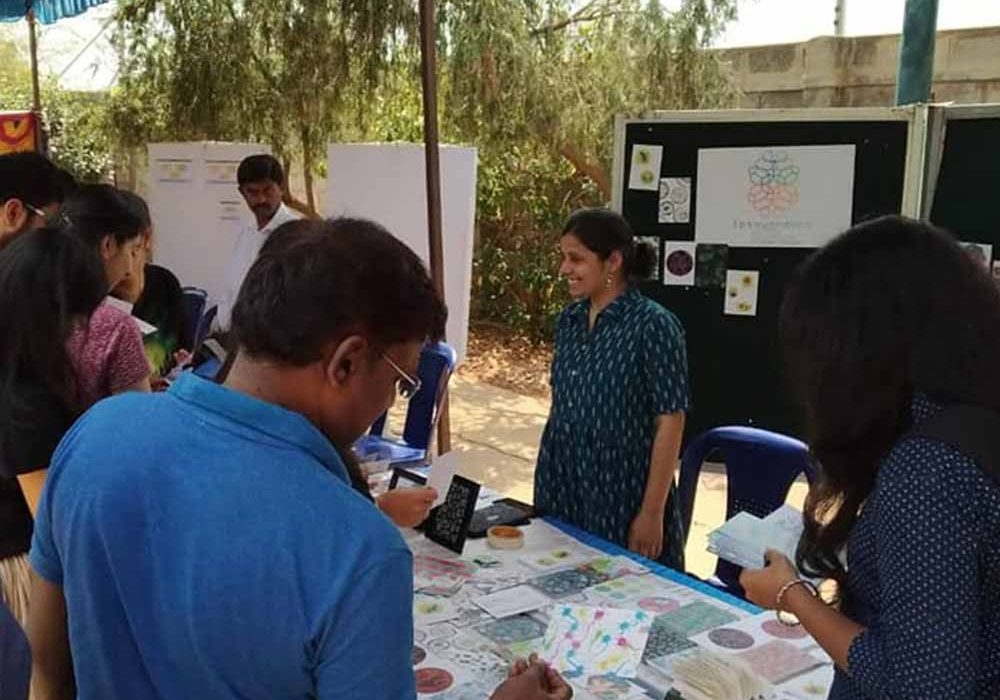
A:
x: 782, y: 196
x: 386, y: 183
x: 197, y: 209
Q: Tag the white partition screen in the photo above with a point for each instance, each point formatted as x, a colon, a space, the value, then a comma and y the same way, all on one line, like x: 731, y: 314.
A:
x: 387, y: 183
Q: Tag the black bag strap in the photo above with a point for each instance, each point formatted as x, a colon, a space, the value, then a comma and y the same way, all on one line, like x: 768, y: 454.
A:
x: 972, y: 430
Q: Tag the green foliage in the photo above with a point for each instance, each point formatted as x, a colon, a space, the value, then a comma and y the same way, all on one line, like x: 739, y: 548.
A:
x: 533, y: 84
x: 76, y: 123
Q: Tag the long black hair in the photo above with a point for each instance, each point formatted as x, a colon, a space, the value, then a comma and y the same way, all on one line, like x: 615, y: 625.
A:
x: 94, y: 212
x: 49, y: 282
x: 890, y: 309
x: 603, y: 232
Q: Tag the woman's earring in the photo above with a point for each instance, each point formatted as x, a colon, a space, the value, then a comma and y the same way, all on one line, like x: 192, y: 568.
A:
x: 609, y: 281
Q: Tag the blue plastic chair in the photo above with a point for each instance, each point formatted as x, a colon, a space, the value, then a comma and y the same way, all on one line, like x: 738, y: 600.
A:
x: 15, y: 657
x: 195, y: 300
x: 203, y: 328
x: 761, y: 467
x: 437, y: 362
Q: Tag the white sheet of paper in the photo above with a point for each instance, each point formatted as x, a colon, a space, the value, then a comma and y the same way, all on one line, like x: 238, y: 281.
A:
x: 512, y: 601
x: 785, y: 196
x: 442, y: 472
x: 679, y: 263
x: 645, y: 171
x: 741, y: 292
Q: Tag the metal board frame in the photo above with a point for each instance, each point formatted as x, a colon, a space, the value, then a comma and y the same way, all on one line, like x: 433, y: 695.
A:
x: 914, y: 175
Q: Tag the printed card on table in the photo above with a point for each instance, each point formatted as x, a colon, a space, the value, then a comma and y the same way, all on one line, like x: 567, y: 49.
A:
x: 779, y: 661
x: 741, y: 292
x: 429, y: 610
x: 678, y: 263
x: 512, y: 601
x: 751, y: 633
x: 645, y: 171
x: 582, y: 641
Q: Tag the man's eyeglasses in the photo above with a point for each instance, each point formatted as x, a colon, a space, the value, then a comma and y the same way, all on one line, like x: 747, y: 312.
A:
x: 36, y: 211
x: 406, y: 386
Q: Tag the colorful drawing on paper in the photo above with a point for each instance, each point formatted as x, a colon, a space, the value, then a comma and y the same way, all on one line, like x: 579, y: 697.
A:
x: 560, y: 584
x: 679, y: 265
x: 663, y: 641
x: 561, y: 558
x: 581, y: 640
x: 658, y: 604
x: 675, y: 200
x: 788, y: 197
x: 512, y: 629
x: 626, y: 591
x: 433, y: 680
x: 774, y: 183
x: 695, y: 618
x: 778, y: 661
x: 438, y: 576
x: 644, y: 173
x: 428, y: 611
x: 742, y: 287
x: 654, y: 243
x: 614, y: 567
x: 609, y: 687
x: 780, y: 631
x: 731, y: 639
x: 418, y: 655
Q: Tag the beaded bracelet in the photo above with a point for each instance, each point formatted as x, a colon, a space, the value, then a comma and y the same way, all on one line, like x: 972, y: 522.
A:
x: 780, y: 599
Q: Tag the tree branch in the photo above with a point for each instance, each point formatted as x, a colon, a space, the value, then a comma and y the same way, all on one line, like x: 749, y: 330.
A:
x: 587, y: 13
x: 587, y: 168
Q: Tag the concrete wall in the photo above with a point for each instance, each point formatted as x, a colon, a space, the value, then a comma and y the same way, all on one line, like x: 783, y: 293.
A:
x: 861, y: 71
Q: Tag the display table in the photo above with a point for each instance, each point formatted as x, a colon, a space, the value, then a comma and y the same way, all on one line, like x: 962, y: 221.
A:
x: 475, y: 613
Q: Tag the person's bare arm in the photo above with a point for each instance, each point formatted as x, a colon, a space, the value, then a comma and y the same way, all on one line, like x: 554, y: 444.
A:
x: 48, y: 633
x: 31, y: 486
x: 646, y: 534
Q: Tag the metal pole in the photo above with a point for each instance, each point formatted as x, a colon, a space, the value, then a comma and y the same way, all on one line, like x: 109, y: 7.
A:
x: 36, y: 93
x: 428, y: 61
x: 839, y: 17
x: 916, y: 52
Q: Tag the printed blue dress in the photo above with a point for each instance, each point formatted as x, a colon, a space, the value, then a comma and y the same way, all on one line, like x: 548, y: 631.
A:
x: 609, y: 385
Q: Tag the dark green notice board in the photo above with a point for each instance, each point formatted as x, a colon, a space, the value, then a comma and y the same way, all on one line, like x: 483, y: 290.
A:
x: 734, y: 365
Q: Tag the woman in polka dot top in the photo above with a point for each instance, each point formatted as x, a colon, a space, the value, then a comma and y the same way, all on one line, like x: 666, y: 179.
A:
x: 882, y: 329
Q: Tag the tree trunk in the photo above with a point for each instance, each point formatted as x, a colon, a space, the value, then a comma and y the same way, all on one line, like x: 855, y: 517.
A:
x: 589, y: 169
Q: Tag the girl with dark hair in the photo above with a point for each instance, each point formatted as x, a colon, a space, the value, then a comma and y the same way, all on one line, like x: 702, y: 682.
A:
x: 50, y: 283
x: 108, y: 352
x: 156, y: 296
x: 883, y: 329
x: 619, y: 396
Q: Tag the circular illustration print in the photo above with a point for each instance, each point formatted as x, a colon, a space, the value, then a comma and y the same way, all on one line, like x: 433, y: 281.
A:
x: 418, y: 655
x: 730, y: 639
x: 680, y: 263
x: 658, y: 605
x: 776, y: 629
x: 433, y: 680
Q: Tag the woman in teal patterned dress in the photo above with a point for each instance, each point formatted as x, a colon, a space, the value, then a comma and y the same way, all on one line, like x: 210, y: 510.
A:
x: 619, y: 396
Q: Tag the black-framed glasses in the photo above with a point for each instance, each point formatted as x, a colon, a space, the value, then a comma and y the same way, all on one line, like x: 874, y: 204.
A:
x: 406, y: 386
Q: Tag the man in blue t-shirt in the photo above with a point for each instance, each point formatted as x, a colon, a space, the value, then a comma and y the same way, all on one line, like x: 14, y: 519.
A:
x: 207, y: 542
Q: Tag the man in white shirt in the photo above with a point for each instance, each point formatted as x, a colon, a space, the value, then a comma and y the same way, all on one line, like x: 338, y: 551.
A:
x: 261, y: 182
